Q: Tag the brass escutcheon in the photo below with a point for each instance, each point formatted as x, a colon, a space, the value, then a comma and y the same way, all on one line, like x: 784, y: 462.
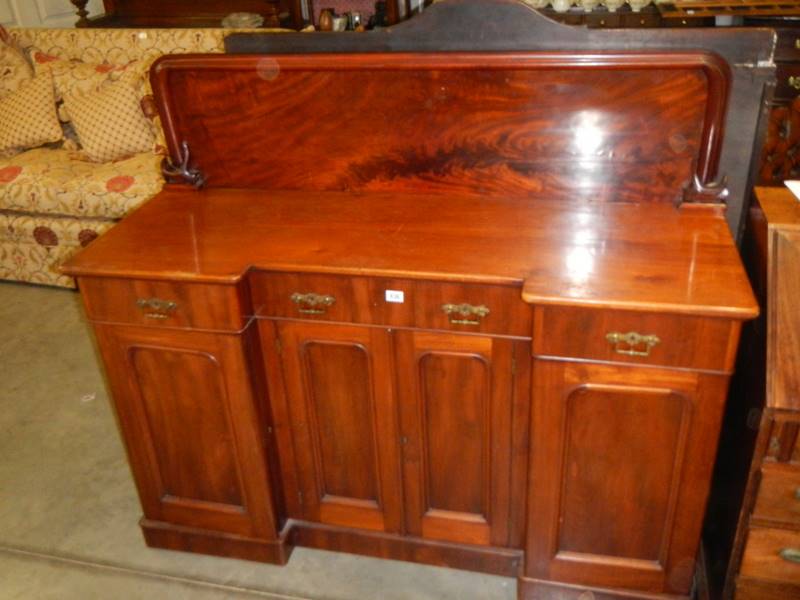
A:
x: 156, y: 308
x: 459, y: 313
x: 790, y: 555
x: 312, y: 304
x: 632, y: 343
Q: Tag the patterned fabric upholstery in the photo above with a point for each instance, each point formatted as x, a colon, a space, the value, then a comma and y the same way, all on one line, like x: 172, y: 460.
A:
x: 54, y: 182
x: 32, y: 246
x: 28, y: 115
x: 14, y: 70
x: 109, y: 122
x: 54, y: 201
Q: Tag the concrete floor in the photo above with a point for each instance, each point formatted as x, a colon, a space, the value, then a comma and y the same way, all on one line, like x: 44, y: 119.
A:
x: 68, y: 507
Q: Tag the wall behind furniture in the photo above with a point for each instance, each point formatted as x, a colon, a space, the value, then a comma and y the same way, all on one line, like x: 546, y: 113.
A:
x: 43, y: 13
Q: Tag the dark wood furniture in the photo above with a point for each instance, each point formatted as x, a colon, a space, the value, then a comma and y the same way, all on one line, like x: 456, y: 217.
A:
x: 475, y: 309
x: 780, y: 156
x: 624, y: 17
x: 510, y: 26
x: 752, y: 538
x: 188, y: 13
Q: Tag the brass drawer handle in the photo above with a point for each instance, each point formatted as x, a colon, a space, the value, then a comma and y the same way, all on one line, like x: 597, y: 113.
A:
x: 312, y: 304
x: 156, y: 308
x: 632, y: 343
x: 794, y: 82
x: 790, y: 555
x: 797, y: 43
x: 459, y: 314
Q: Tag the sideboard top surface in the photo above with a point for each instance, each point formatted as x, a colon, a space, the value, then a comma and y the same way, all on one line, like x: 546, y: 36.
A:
x: 615, y: 255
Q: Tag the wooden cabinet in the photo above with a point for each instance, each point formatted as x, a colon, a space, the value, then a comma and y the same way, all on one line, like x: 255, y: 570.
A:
x: 193, y: 426
x: 619, y: 477
x: 491, y: 335
x: 456, y: 395
x: 753, y: 547
x: 343, y: 418
x: 779, y: 155
x: 403, y: 431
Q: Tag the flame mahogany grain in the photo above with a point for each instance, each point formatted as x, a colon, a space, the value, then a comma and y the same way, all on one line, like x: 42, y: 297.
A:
x: 626, y: 127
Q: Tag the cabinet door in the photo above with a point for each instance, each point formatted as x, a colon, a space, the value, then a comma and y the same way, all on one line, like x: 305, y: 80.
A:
x: 621, y: 461
x: 192, y: 428
x: 455, y: 394
x: 341, y: 406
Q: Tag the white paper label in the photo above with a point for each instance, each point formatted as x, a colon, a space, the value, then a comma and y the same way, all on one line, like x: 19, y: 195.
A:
x: 794, y: 186
x: 395, y: 296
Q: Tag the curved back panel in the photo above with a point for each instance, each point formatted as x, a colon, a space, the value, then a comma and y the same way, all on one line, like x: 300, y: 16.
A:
x: 598, y: 126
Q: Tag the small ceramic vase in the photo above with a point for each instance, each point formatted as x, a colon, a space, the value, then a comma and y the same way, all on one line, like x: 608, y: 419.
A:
x: 326, y: 19
x: 638, y: 5
x: 613, y: 5
x: 589, y: 5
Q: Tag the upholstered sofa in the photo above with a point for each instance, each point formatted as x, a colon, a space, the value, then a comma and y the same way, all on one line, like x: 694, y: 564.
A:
x: 53, y: 199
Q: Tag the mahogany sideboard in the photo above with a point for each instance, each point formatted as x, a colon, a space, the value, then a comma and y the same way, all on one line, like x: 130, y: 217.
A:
x: 469, y: 309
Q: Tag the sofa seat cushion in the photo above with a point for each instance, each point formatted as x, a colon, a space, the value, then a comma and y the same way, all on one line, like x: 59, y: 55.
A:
x: 55, y: 182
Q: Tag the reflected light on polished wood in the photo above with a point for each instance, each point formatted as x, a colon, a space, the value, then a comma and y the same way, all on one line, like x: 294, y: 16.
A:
x: 640, y: 257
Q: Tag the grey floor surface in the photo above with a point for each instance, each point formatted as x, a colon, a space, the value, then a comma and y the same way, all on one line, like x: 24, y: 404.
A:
x: 68, y: 507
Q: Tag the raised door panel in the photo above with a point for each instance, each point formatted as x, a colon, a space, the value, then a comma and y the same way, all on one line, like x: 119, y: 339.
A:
x: 342, y: 411
x: 455, y: 394
x: 192, y: 427
x: 621, y: 460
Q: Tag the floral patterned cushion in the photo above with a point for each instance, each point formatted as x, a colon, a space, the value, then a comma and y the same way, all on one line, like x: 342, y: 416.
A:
x: 14, y: 69
x: 53, y: 181
x: 33, y: 246
x: 53, y: 202
x: 72, y: 77
x: 121, y: 46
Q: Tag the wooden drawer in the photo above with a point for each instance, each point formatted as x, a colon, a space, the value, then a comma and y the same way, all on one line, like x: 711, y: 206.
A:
x: 640, y: 19
x: 364, y: 300
x: 778, y: 499
x: 679, y: 341
x: 787, y: 81
x: 753, y: 589
x: 165, y: 304
x: 783, y: 442
x: 766, y: 555
x: 788, y: 47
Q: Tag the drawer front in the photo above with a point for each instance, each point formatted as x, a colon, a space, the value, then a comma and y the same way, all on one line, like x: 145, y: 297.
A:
x: 772, y: 555
x: 635, y: 337
x: 165, y: 304
x: 788, y: 46
x: 473, y: 307
x: 778, y: 499
x: 640, y: 19
x: 787, y: 84
x: 783, y: 442
x: 754, y: 589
